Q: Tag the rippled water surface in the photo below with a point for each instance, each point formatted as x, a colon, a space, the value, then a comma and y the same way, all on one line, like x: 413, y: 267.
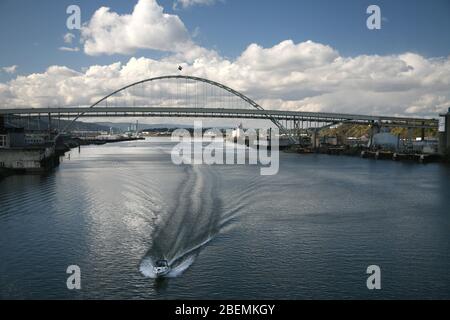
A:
x: 309, y: 232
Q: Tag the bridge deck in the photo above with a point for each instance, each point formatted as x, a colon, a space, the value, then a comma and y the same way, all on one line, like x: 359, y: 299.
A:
x: 321, y: 117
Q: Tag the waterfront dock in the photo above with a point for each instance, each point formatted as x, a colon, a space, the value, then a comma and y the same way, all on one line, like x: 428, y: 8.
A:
x: 38, y: 151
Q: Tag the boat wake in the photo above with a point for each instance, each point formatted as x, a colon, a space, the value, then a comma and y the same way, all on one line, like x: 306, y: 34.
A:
x: 198, y: 215
x: 192, y: 223
x: 178, y: 265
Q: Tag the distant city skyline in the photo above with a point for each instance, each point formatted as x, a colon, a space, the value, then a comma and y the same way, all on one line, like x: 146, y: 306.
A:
x: 293, y: 55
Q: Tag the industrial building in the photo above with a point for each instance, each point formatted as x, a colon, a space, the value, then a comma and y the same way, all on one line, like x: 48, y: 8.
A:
x: 20, y: 152
x: 444, y: 133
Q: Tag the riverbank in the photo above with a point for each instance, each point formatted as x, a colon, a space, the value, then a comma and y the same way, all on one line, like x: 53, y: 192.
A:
x: 366, y: 153
x: 43, y: 159
x: 4, y: 173
x: 67, y: 143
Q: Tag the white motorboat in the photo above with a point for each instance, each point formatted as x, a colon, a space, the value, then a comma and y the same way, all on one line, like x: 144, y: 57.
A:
x: 161, y: 268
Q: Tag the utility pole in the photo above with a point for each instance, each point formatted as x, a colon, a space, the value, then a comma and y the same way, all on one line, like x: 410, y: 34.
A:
x: 49, y: 125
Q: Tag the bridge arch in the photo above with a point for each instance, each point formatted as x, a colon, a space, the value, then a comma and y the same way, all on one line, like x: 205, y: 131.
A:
x: 233, y: 92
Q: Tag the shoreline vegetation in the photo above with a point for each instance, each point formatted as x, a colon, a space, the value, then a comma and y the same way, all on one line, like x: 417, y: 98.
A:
x: 356, y: 130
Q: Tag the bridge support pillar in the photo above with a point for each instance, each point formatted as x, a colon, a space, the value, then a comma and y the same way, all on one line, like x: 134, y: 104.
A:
x: 374, y: 129
x: 422, y: 132
x: 314, y: 139
x: 444, y: 133
x: 49, y: 123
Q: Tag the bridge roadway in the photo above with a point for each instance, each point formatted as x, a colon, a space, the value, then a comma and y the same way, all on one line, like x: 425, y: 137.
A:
x: 185, y: 112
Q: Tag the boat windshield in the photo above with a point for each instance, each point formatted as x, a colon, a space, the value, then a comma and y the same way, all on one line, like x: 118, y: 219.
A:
x: 162, y: 264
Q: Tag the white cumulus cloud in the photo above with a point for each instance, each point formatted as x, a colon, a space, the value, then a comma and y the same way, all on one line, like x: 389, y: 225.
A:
x: 147, y: 27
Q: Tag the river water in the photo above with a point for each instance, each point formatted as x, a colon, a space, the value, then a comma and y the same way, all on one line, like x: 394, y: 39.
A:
x: 309, y: 232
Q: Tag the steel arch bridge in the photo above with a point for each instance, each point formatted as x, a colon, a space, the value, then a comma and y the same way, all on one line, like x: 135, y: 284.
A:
x: 231, y: 91
x: 191, y: 97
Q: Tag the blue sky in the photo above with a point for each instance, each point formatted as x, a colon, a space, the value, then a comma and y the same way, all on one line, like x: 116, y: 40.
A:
x: 31, y: 31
